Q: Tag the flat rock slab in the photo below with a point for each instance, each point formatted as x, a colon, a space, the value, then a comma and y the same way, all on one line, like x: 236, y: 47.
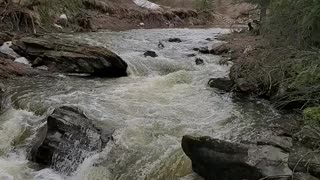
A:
x: 67, y: 56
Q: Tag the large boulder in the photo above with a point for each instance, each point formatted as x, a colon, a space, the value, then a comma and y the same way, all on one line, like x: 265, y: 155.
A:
x: 215, y: 159
x: 64, y: 55
x: 67, y: 138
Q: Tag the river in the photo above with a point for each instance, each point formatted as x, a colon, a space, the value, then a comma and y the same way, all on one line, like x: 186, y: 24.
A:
x: 161, y: 100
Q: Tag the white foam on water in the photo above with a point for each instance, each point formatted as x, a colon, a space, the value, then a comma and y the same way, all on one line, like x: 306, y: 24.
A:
x: 163, y: 99
x: 14, y: 167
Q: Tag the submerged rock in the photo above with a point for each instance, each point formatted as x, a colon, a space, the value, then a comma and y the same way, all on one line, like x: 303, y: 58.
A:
x: 224, y: 84
x: 217, y: 49
x: 70, y: 137
x: 150, y: 53
x: 215, y: 159
x: 177, y: 40
x: 203, y: 50
x: 67, y: 56
x: 160, y: 45
x: 199, y: 61
x: 191, y: 55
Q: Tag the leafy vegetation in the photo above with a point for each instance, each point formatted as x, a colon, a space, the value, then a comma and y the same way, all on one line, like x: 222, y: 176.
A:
x: 312, y: 115
x: 295, y: 22
x: 287, y: 70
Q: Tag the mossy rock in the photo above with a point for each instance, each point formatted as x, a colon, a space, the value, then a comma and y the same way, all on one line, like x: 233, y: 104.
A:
x: 312, y: 115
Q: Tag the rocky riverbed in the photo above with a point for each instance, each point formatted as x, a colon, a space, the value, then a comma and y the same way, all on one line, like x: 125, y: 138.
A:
x: 57, y: 126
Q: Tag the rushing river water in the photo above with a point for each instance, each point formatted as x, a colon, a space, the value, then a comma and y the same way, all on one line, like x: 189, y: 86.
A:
x: 161, y: 100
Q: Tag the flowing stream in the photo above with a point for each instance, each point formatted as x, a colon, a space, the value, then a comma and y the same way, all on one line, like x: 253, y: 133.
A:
x: 161, y: 100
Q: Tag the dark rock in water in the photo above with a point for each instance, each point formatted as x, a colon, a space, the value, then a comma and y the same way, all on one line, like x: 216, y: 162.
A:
x: 209, y: 39
x: 150, y: 53
x: 215, y: 159
x: 199, y: 61
x: 304, y: 155
x: 177, y: 40
x: 191, y: 55
x: 204, y: 50
x: 224, y: 84
x: 70, y: 137
x: 64, y: 55
x: 218, y: 49
x: 160, y: 45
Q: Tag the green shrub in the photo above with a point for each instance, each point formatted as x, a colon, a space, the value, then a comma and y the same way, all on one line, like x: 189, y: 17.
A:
x: 294, y: 22
x: 312, y: 115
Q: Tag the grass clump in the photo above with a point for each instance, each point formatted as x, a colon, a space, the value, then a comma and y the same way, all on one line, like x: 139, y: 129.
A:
x: 295, y: 22
x: 49, y: 10
x: 312, y: 115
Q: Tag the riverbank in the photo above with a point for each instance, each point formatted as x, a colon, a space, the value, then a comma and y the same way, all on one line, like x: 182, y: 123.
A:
x: 92, y: 15
x: 289, y: 78
x: 285, y: 75
x: 163, y: 99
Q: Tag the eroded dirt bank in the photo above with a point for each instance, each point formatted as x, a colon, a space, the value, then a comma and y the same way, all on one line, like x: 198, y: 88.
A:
x: 91, y: 15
